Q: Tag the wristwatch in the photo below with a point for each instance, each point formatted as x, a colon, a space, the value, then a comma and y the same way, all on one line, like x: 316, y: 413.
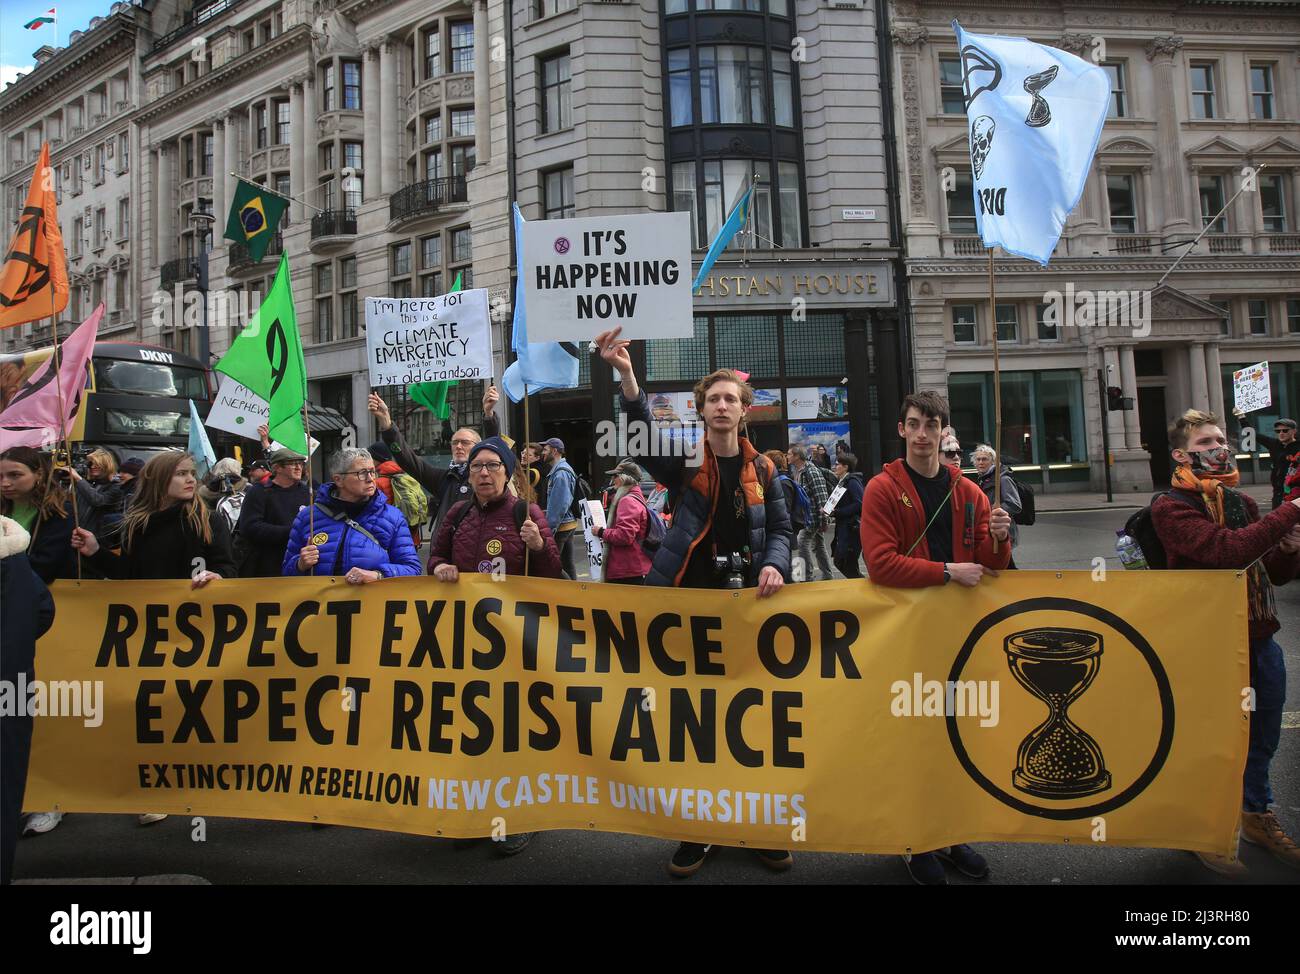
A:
x: 947, y: 575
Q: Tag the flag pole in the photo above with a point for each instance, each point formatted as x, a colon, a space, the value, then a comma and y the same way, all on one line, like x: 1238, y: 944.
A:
x: 997, y: 398
x: 65, y: 450
x: 311, y: 493
x: 528, y: 466
x: 284, y: 196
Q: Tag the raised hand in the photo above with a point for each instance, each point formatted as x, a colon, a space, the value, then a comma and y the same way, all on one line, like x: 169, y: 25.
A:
x: 379, y: 409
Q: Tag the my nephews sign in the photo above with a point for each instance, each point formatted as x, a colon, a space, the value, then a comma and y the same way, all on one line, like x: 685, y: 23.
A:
x: 582, y: 277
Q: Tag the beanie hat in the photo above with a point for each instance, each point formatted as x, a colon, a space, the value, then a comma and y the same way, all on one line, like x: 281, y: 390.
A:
x: 380, y: 452
x: 497, y: 446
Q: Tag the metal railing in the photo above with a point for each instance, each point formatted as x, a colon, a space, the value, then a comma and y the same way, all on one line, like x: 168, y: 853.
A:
x: 194, y: 20
x: 180, y: 269
x: 420, y: 199
x: 334, y: 223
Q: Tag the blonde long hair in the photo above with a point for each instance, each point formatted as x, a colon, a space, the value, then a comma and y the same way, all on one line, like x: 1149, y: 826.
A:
x: 151, y: 498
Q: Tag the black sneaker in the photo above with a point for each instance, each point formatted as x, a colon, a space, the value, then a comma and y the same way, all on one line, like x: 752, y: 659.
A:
x: 688, y: 859
x: 777, y: 860
x: 512, y: 845
x: 926, y: 869
x: 965, y: 860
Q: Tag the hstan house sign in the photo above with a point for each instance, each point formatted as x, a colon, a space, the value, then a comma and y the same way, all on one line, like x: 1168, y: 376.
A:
x: 860, y: 283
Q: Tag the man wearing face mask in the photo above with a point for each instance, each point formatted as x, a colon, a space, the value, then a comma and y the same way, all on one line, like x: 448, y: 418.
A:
x: 1204, y: 522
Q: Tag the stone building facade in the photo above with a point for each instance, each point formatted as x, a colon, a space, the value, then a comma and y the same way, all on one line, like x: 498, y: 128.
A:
x: 1204, y: 96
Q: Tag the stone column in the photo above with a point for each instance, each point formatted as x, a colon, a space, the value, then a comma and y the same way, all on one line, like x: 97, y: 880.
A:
x: 1161, y: 52
x: 220, y: 202
x: 1214, y: 376
x: 1128, y: 383
x: 233, y: 161
x: 297, y: 147
x: 482, y: 99
x: 389, y: 131
x: 1114, y: 420
x: 372, y: 149
x: 310, y: 151
x: 1196, y: 374
x: 920, y: 227
x: 1150, y: 218
x: 166, y: 205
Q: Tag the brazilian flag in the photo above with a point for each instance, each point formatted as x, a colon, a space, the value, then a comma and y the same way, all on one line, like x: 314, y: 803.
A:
x: 254, y: 215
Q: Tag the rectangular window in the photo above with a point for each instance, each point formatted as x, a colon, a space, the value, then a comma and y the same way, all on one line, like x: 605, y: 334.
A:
x: 1202, y: 90
x: 679, y: 86
x: 950, y: 87
x: 460, y: 245
x: 547, y: 7
x: 187, y: 153
x: 782, y: 91
x: 400, y: 289
x: 431, y: 252
x: 432, y: 53
x: 324, y: 279
x: 401, y: 259
x: 329, y: 95
x: 1257, y: 313
x: 328, y: 193
x: 352, y: 85
x: 1118, y: 96
x: 433, y: 165
x: 78, y: 228
x: 1261, y: 90
x: 348, y: 315
x: 1008, y: 323
x: 462, y: 47
x: 1123, y: 203
x: 123, y: 153
x: 557, y: 194
x: 431, y: 284
x: 327, y: 157
x: 1212, y: 203
x: 1048, y: 331
x: 259, y: 126
x: 462, y: 122
x: 1272, y: 202
x: 352, y: 155
x: 324, y: 320
x: 961, y: 205
x: 724, y: 182
x: 963, y: 324
x: 123, y: 219
x: 1293, y: 316
x: 121, y: 287
x: 557, y: 102
x: 207, y: 155
x: 433, y: 128
x: 101, y: 228
x: 731, y: 85
x: 462, y: 159
x: 348, y: 272
x: 684, y: 199
x: 788, y: 198
x: 282, y: 132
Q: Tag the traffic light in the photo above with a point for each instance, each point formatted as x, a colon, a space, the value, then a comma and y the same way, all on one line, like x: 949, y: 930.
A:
x: 1114, y: 398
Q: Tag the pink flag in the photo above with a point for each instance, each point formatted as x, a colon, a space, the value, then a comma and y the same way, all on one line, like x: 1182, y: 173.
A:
x: 34, y: 416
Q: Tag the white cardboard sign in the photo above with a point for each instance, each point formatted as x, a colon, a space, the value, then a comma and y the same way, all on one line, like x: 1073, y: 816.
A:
x: 834, y: 499
x: 582, y: 277
x: 593, y: 517
x: 239, y: 410
x: 411, y: 340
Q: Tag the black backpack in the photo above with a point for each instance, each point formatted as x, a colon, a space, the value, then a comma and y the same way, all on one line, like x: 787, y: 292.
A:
x: 1026, y: 515
x: 1141, y: 529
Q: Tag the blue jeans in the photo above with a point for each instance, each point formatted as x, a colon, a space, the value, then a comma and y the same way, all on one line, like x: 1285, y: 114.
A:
x: 1268, y: 678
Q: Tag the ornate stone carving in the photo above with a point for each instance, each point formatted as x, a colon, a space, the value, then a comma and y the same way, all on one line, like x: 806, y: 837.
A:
x: 1075, y: 43
x: 912, y: 135
x: 910, y: 36
x: 279, y: 158
x: 905, y: 9
x: 332, y: 33
x: 1165, y: 47
x: 205, y: 187
x: 430, y: 96
x: 460, y: 88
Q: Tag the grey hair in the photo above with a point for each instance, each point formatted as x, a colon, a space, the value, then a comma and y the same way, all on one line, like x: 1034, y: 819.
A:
x: 342, y: 461
x: 227, y: 465
x: 799, y: 453
x: 985, y: 450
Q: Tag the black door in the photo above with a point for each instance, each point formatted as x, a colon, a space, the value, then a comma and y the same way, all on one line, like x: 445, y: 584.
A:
x: 1153, y: 424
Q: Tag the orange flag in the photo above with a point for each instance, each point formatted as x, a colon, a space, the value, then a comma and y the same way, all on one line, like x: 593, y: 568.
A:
x: 34, y: 279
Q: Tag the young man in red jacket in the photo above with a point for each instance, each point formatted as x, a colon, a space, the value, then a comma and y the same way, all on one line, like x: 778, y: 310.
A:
x: 1205, y: 523
x: 923, y: 523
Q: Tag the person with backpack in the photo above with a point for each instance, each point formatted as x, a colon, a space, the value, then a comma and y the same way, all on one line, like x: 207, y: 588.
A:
x: 986, y: 463
x: 797, y: 504
x: 445, y: 485
x: 925, y: 524
x: 401, y: 489
x: 562, y: 500
x: 817, y: 485
x: 267, y: 515
x: 628, y: 523
x: 495, y: 533
x: 1205, y: 522
x: 730, y: 528
x: 846, y: 549
x: 353, y: 532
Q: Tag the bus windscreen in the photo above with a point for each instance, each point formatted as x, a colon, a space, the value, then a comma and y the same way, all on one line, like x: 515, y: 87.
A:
x: 149, y: 379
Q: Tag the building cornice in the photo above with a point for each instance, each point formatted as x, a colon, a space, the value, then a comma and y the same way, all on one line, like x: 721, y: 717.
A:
x: 292, y: 41
x: 49, y: 80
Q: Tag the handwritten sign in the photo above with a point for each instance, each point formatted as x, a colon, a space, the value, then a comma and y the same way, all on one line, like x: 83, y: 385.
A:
x: 833, y: 500
x: 593, y: 517
x: 411, y: 340
x: 1251, y: 389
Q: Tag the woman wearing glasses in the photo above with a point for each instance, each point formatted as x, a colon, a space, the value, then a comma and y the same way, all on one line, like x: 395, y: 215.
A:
x: 356, y: 533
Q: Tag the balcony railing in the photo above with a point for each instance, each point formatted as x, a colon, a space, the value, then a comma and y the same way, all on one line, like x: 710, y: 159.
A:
x: 1127, y: 243
x: 967, y: 246
x: 1224, y: 243
x: 421, y: 199
x: 194, y: 20
x: 180, y: 269
x: 1283, y: 243
x: 334, y: 223
x: 239, y: 257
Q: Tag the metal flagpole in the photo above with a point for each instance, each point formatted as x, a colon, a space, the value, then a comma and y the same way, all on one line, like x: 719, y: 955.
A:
x: 284, y: 196
x: 997, y: 398
x: 65, y: 450
x: 527, y: 467
x: 311, y: 491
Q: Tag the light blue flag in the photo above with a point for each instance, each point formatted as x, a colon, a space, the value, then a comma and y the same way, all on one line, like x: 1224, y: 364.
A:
x: 734, y: 223
x: 199, y: 447
x: 545, y: 365
x: 1035, y: 115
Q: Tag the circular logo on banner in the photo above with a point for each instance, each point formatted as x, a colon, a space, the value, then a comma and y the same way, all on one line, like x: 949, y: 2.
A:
x: 494, y: 547
x: 562, y: 245
x: 1064, y: 741
x: 319, y: 538
x: 485, y: 566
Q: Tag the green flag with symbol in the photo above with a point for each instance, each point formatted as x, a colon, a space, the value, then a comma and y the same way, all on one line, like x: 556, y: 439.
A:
x: 267, y: 357
x: 433, y: 395
x: 254, y: 215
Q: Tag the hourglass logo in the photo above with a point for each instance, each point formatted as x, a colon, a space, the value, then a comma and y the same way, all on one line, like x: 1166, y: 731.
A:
x: 1059, y: 761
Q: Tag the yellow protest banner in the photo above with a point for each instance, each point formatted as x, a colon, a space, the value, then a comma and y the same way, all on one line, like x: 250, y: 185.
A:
x: 836, y: 716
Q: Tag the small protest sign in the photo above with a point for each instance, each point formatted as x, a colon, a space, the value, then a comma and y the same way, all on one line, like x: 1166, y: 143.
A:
x: 410, y: 340
x: 1251, y: 389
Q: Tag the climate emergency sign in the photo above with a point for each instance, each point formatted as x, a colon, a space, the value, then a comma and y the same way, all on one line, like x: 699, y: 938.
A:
x: 582, y: 277
x: 428, y: 339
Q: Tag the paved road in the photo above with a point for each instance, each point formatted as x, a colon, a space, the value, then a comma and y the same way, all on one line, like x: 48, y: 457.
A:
x: 245, y: 851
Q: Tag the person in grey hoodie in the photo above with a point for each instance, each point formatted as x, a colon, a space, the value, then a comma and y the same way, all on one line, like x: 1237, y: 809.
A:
x: 985, y: 460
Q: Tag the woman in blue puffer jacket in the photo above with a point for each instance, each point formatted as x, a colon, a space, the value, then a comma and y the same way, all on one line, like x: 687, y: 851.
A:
x: 357, y: 534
